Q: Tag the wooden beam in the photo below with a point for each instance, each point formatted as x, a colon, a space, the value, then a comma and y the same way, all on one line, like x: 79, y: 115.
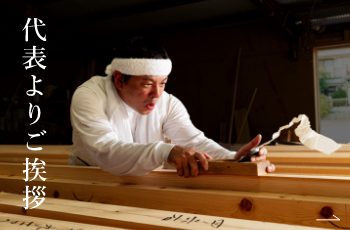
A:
x: 271, y: 182
x: 312, y: 169
x: 51, y: 154
x: 300, y: 148
x: 309, y: 157
x: 135, y: 218
x: 284, y: 208
x: 301, y: 155
x: 325, y: 4
x: 62, y: 150
x: 20, y: 222
x: 231, y: 167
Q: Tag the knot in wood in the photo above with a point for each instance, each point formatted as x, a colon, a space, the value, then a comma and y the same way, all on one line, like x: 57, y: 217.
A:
x: 246, y: 205
x: 24, y: 210
x: 327, y: 212
x: 56, y: 194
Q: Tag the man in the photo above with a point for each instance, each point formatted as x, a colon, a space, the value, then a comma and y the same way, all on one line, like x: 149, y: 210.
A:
x: 120, y: 121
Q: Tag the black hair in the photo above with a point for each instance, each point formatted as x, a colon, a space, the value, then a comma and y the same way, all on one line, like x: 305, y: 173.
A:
x: 140, y: 47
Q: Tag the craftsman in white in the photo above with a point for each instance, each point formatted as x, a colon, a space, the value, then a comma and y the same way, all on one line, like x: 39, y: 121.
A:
x: 120, y: 123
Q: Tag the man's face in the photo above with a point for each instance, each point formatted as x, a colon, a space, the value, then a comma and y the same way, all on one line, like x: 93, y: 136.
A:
x: 141, y: 92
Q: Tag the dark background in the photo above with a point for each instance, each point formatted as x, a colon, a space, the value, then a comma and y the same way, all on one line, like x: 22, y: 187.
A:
x: 277, y: 38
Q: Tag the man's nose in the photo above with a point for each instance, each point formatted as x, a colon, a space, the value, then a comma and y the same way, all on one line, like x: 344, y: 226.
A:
x: 156, y: 92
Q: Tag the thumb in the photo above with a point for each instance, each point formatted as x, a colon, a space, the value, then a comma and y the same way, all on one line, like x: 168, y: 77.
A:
x: 255, y: 142
x: 252, y: 144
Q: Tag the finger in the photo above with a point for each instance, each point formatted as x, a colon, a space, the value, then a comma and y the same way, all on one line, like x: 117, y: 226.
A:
x: 194, y: 166
x: 252, y: 144
x: 207, y: 156
x: 202, y: 159
x: 262, y: 151
x: 271, y: 168
x: 179, y: 169
x: 257, y: 158
x: 186, y: 168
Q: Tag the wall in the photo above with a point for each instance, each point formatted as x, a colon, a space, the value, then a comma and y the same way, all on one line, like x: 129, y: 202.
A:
x: 204, y: 66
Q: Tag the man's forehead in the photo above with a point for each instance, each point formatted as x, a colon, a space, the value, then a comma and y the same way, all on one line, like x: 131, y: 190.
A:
x: 153, y: 78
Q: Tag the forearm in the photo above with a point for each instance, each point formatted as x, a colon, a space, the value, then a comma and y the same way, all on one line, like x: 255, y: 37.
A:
x: 195, y: 139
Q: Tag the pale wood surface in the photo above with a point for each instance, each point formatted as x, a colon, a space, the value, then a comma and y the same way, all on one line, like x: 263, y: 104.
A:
x: 312, y: 169
x: 231, y: 167
x: 271, y: 182
x: 47, y: 149
x: 20, y: 222
x: 51, y: 154
x: 116, y: 215
x: 297, y: 148
x: 309, y: 157
x: 271, y: 207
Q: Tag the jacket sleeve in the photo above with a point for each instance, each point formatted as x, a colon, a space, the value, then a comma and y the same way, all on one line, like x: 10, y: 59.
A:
x: 179, y: 128
x: 101, y: 145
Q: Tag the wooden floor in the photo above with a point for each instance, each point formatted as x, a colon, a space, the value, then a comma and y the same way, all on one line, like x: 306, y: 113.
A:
x: 79, y: 197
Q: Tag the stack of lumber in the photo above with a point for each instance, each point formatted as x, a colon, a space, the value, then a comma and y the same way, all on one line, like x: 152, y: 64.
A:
x: 90, y: 198
x: 300, y: 159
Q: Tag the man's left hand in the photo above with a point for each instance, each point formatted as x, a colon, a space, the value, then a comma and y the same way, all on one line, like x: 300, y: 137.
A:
x: 262, y: 153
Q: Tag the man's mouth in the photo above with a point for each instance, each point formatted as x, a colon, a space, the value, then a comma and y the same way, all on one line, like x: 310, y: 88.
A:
x: 151, y: 106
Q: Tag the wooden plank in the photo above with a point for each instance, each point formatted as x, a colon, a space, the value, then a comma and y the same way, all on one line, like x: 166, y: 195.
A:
x: 50, y: 161
x: 50, y: 154
x: 312, y: 169
x: 139, y: 218
x: 301, y: 148
x: 231, y: 167
x: 309, y: 157
x: 271, y: 182
x: 47, y: 149
x: 20, y: 222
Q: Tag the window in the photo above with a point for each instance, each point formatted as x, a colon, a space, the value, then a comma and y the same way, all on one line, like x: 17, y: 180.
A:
x: 333, y: 92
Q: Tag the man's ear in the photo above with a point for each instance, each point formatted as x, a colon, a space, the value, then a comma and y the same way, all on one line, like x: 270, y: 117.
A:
x: 118, y: 79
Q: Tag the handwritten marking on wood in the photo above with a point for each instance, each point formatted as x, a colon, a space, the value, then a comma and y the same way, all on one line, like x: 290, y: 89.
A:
x: 21, y: 222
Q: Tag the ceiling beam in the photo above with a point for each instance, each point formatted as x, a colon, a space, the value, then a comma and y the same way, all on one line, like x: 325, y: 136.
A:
x: 327, y: 4
x: 271, y: 10
x: 113, y: 14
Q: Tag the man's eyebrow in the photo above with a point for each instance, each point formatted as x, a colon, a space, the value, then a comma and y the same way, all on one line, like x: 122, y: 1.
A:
x: 150, y: 79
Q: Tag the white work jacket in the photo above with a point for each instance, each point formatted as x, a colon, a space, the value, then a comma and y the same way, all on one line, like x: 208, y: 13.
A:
x: 102, y: 135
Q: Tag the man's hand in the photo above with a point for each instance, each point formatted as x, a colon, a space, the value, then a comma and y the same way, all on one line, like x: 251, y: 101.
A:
x: 262, y: 153
x: 185, y: 160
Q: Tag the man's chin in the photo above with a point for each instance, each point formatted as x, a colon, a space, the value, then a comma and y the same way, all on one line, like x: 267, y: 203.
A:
x: 145, y: 112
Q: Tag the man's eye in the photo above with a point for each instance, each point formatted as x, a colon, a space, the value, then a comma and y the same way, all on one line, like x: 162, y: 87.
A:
x: 147, y: 85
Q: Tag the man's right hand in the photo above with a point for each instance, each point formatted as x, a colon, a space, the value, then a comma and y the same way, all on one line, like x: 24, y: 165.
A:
x: 185, y: 160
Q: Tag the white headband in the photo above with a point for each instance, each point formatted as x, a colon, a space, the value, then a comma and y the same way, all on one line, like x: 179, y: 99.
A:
x: 138, y: 66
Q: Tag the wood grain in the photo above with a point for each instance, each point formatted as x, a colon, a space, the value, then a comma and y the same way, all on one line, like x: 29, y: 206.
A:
x: 20, y: 222
x: 51, y: 154
x: 301, y: 148
x: 231, y: 167
x: 312, y: 169
x: 271, y: 182
x: 277, y: 208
